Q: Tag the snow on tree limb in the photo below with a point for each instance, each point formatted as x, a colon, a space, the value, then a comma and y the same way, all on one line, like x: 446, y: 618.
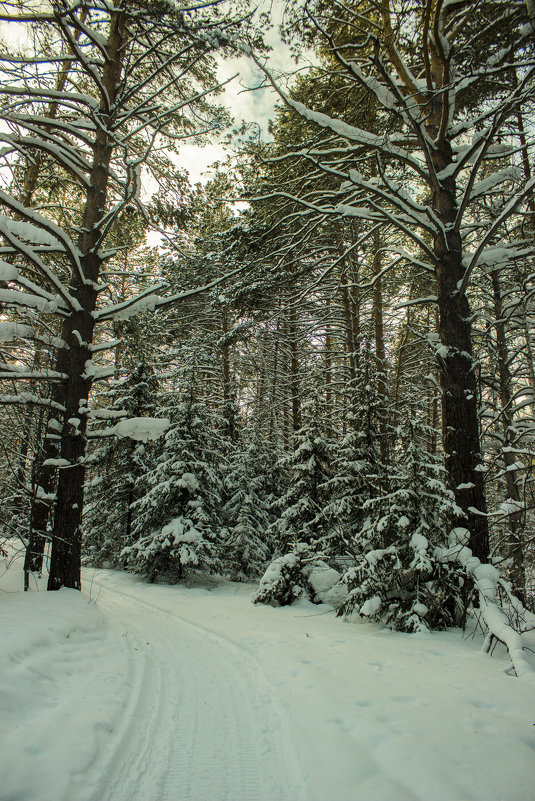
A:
x: 141, y: 429
x: 486, y: 579
x: 29, y: 398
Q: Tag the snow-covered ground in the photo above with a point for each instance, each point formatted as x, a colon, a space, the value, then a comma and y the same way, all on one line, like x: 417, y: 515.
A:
x: 136, y: 692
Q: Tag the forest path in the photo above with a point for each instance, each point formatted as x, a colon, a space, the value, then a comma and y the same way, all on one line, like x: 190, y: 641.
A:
x: 136, y: 692
x: 201, y: 721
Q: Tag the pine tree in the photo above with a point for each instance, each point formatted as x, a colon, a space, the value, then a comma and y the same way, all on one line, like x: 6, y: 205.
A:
x: 307, y: 468
x: 247, y: 512
x: 177, y: 517
x: 122, y: 60
x: 397, y: 579
x: 357, y: 470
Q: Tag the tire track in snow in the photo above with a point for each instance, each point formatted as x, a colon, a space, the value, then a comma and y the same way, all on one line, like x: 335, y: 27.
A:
x: 203, y: 722
x: 125, y: 746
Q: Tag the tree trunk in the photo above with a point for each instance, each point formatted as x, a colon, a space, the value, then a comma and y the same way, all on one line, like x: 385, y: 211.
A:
x: 460, y: 421
x: 65, y: 562
x: 380, y: 353
x: 44, y: 482
x: 328, y: 371
x: 294, y: 372
x: 515, y: 549
x: 351, y: 311
x: 274, y: 394
x: 229, y: 415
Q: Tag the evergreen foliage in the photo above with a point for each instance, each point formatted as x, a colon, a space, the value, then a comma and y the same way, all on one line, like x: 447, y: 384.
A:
x: 247, y: 512
x: 116, y: 467
x: 378, y: 290
x: 180, y: 495
x: 286, y: 579
x: 307, y: 470
x: 357, y: 471
x: 397, y: 578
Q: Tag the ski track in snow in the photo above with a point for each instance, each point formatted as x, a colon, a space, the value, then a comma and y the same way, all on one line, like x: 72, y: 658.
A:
x: 173, y: 693
x: 202, y: 722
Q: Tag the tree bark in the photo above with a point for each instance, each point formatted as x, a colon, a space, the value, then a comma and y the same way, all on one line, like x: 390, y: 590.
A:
x: 514, y: 545
x: 460, y: 420
x: 229, y: 414
x: 380, y: 353
x: 294, y: 372
x: 65, y: 562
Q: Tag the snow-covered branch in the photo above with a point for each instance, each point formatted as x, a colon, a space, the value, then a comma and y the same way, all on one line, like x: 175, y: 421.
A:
x: 486, y: 579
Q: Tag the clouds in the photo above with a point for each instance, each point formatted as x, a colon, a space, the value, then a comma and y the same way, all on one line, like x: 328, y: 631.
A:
x: 246, y: 97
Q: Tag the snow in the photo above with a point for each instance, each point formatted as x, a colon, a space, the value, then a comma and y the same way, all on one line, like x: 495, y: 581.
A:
x: 274, y: 571
x: 90, y: 370
x: 137, y: 692
x: 56, y: 463
x: 447, y: 172
x: 511, y: 173
x: 419, y: 543
x: 371, y: 606
x: 106, y: 414
x: 188, y: 481
x: 29, y: 397
x: 141, y: 429
x: 16, y: 298
x: 9, y: 331
x: 129, y: 308
x: 28, y: 232
x: 486, y: 580
x: 8, y: 272
x: 325, y: 582
x: 178, y: 532
x: 350, y: 132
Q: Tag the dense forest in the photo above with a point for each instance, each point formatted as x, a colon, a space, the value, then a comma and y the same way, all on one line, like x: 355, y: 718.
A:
x: 323, y: 355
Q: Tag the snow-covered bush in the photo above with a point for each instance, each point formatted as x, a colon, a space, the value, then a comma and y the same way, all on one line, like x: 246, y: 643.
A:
x: 501, y: 615
x: 285, y: 579
x: 404, y: 586
x: 300, y: 574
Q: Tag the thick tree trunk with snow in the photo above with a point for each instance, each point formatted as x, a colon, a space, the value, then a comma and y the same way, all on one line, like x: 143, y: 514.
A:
x: 67, y: 532
x: 75, y: 358
x: 460, y: 422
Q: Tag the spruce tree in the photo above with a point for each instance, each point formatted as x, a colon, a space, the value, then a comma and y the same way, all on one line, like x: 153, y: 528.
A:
x: 308, y: 470
x: 247, y: 512
x: 177, y: 517
x: 397, y: 578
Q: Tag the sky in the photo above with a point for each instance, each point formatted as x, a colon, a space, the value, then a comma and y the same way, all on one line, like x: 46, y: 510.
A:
x: 241, y: 96
x: 245, y: 101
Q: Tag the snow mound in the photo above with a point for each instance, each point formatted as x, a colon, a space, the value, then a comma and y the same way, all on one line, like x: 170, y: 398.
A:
x: 58, y: 691
x: 300, y: 574
x: 325, y: 581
